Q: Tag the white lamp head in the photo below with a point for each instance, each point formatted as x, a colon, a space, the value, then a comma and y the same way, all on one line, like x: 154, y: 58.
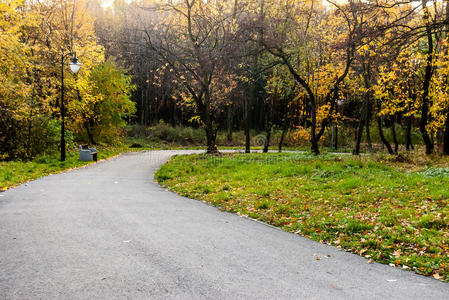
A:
x: 75, y: 65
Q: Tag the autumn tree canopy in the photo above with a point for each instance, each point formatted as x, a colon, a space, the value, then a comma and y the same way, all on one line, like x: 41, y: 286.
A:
x: 376, y: 70
x: 34, y: 37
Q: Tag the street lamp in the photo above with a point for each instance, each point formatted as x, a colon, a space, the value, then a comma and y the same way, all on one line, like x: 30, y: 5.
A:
x: 74, y: 67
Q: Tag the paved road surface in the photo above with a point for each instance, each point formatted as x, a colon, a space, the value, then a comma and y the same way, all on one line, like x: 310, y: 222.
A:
x: 108, y: 231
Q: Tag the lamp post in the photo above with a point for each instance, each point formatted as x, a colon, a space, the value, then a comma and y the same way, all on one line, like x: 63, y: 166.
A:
x: 74, y: 67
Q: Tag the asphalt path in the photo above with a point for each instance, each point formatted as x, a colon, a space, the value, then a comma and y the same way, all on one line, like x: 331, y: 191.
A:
x: 108, y: 231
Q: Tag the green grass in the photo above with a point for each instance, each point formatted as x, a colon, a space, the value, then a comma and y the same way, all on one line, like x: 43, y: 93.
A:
x: 13, y: 173
x: 394, y: 213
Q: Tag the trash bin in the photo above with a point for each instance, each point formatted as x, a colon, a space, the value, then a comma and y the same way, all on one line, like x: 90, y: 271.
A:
x: 87, y: 154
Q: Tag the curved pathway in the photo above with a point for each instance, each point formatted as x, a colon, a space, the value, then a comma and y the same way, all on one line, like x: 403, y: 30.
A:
x: 108, y: 231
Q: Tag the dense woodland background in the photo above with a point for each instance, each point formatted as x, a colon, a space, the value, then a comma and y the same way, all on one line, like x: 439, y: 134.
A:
x: 357, y: 74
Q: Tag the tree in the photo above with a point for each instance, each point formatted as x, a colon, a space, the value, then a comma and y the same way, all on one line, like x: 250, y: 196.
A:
x: 35, y: 36
x: 312, y: 43
x: 195, y: 42
x: 14, y: 63
x: 105, y: 102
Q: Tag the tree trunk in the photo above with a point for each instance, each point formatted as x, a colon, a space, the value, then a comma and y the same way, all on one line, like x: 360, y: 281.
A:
x: 149, y: 104
x: 368, y: 138
x: 229, y: 122
x: 367, y: 123
x: 446, y: 127
x: 395, y: 139
x: 211, y: 136
x: 422, y: 127
x: 28, y: 151
x: 336, y: 138
x: 426, y: 83
x: 175, y: 115
x: 313, y: 137
x: 142, y: 111
x: 358, y: 138
x: 267, y: 140
x: 408, y: 135
x: 446, y: 136
x: 314, y: 146
x: 382, y: 137
x: 253, y: 88
x: 86, y: 123
x: 211, y: 132
x: 284, y: 115
x: 247, y: 134
x: 364, y: 122
x: 366, y: 110
x: 89, y: 133
x: 268, y: 124
x: 281, y: 141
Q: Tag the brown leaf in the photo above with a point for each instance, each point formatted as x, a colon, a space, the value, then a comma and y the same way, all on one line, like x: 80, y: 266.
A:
x: 397, y: 253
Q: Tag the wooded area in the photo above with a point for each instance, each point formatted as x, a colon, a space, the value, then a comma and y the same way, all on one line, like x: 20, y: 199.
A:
x: 310, y: 68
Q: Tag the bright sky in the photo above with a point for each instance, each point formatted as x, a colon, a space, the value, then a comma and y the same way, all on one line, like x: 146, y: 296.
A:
x: 108, y: 3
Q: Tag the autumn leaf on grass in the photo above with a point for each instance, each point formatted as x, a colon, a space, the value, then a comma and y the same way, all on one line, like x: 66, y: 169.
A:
x: 397, y: 253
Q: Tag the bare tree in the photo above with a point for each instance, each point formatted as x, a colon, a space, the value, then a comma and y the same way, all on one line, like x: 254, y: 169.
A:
x: 195, y: 41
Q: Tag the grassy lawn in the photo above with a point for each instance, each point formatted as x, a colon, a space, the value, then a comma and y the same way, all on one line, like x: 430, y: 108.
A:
x: 389, y: 209
x: 13, y: 173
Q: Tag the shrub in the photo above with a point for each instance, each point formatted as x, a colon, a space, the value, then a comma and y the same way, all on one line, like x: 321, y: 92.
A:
x: 25, y: 139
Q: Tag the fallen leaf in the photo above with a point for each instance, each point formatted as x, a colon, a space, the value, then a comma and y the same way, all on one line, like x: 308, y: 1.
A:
x: 397, y: 253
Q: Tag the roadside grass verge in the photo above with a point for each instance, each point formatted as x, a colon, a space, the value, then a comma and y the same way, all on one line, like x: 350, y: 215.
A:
x: 13, y: 173
x: 390, y: 209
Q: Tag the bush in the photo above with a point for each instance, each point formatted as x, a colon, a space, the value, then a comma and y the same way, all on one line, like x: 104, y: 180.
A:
x: 25, y: 139
x: 163, y: 132
x: 188, y: 136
